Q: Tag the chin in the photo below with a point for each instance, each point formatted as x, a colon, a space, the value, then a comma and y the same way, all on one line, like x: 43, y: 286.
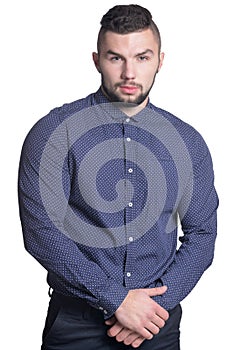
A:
x: 130, y: 99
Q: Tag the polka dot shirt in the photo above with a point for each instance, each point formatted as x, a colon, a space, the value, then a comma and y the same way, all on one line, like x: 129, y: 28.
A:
x: 102, y: 197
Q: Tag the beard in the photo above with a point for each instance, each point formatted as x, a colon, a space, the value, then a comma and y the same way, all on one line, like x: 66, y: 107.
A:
x: 127, y: 101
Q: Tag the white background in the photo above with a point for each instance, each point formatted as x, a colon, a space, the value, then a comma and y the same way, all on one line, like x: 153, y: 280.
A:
x: 46, y: 61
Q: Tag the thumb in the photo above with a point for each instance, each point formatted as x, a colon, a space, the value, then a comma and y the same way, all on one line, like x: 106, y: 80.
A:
x: 152, y: 292
x: 111, y: 321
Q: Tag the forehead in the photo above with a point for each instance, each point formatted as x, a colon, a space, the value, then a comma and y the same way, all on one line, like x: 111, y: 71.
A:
x: 131, y: 43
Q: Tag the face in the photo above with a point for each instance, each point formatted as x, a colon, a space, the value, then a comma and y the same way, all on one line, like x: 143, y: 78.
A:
x: 128, y: 65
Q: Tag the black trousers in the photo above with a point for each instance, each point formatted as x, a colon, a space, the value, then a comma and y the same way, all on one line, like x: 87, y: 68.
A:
x: 71, y: 324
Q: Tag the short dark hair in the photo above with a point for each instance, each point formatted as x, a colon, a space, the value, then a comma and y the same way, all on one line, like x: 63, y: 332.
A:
x: 124, y: 19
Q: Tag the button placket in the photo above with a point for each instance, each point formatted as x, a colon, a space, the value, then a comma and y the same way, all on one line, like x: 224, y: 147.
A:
x: 129, y: 154
x: 130, y: 173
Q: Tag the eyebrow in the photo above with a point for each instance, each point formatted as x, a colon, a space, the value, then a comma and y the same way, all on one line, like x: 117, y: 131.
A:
x: 110, y: 52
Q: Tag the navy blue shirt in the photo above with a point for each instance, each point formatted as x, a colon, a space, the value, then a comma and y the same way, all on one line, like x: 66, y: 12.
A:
x: 102, y: 197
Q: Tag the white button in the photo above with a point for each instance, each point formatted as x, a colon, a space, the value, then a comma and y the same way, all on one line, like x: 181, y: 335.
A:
x: 130, y: 170
x: 128, y: 274
x: 128, y: 139
x: 105, y: 311
x: 101, y: 308
x: 130, y: 204
x: 131, y: 239
x: 127, y: 120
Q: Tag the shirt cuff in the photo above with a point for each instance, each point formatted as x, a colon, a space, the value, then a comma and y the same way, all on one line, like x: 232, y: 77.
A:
x: 111, y: 298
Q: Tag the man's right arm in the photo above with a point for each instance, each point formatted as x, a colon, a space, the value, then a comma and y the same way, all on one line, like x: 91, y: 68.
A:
x: 56, y: 251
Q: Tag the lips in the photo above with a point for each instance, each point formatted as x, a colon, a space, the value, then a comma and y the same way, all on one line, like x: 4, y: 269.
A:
x: 129, y: 89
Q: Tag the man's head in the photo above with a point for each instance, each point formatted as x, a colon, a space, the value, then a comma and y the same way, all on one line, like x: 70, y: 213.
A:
x: 128, y: 55
x: 125, y: 19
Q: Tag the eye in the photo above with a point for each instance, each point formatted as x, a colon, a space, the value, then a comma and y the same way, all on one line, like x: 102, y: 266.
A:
x: 143, y: 58
x: 115, y: 58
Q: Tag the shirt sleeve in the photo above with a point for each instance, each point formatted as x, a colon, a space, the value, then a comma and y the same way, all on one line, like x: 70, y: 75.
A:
x: 199, y: 226
x: 75, y: 274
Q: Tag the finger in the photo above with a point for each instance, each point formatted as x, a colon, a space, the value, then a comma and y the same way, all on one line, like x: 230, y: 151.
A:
x: 115, y: 329
x: 111, y: 321
x: 123, y: 334
x: 152, y: 292
x: 145, y: 333
x: 161, y: 312
x: 158, y: 321
x: 152, y: 328
x: 132, y: 338
x: 136, y: 343
x: 118, y: 328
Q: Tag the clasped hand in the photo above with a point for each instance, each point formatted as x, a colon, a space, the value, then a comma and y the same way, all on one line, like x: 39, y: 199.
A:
x: 138, y: 317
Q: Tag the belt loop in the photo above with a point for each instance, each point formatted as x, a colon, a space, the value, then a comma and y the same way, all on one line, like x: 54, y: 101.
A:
x: 50, y: 292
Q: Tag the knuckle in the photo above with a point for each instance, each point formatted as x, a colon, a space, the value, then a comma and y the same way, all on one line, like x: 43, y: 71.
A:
x: 141, y: 324
x: 150, y: 314
x: 154, y: 329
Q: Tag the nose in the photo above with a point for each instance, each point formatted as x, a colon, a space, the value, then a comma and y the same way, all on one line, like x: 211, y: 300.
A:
x: 128, y: 71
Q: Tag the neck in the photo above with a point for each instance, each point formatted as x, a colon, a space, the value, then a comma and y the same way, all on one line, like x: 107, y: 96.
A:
x: 130, y: 109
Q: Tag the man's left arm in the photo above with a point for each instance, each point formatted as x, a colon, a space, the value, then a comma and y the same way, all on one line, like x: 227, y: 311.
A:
x: 199, y: 226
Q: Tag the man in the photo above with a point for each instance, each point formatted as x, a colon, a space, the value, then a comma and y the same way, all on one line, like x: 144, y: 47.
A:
x: 102, y: 183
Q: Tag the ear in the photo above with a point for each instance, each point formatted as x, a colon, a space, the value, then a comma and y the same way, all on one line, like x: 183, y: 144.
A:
x: 95, y: 58
x: 161, y: 58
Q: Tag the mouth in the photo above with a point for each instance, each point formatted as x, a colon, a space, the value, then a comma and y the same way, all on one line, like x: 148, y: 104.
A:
x: 129, y: 89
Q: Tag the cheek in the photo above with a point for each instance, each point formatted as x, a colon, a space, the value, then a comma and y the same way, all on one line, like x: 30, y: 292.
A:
x: 147, y: 72
x: 110, y: 74
x: 150, y: 74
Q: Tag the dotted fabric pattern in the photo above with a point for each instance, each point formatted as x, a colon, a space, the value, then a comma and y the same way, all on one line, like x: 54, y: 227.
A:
x: 116, y: 230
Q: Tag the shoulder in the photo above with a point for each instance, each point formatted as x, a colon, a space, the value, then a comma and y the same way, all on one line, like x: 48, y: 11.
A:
x: 192, y: 138
x: 181, y: 126
x: 47, y: 124
x: 59, y: 114
x: 41, y: 131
